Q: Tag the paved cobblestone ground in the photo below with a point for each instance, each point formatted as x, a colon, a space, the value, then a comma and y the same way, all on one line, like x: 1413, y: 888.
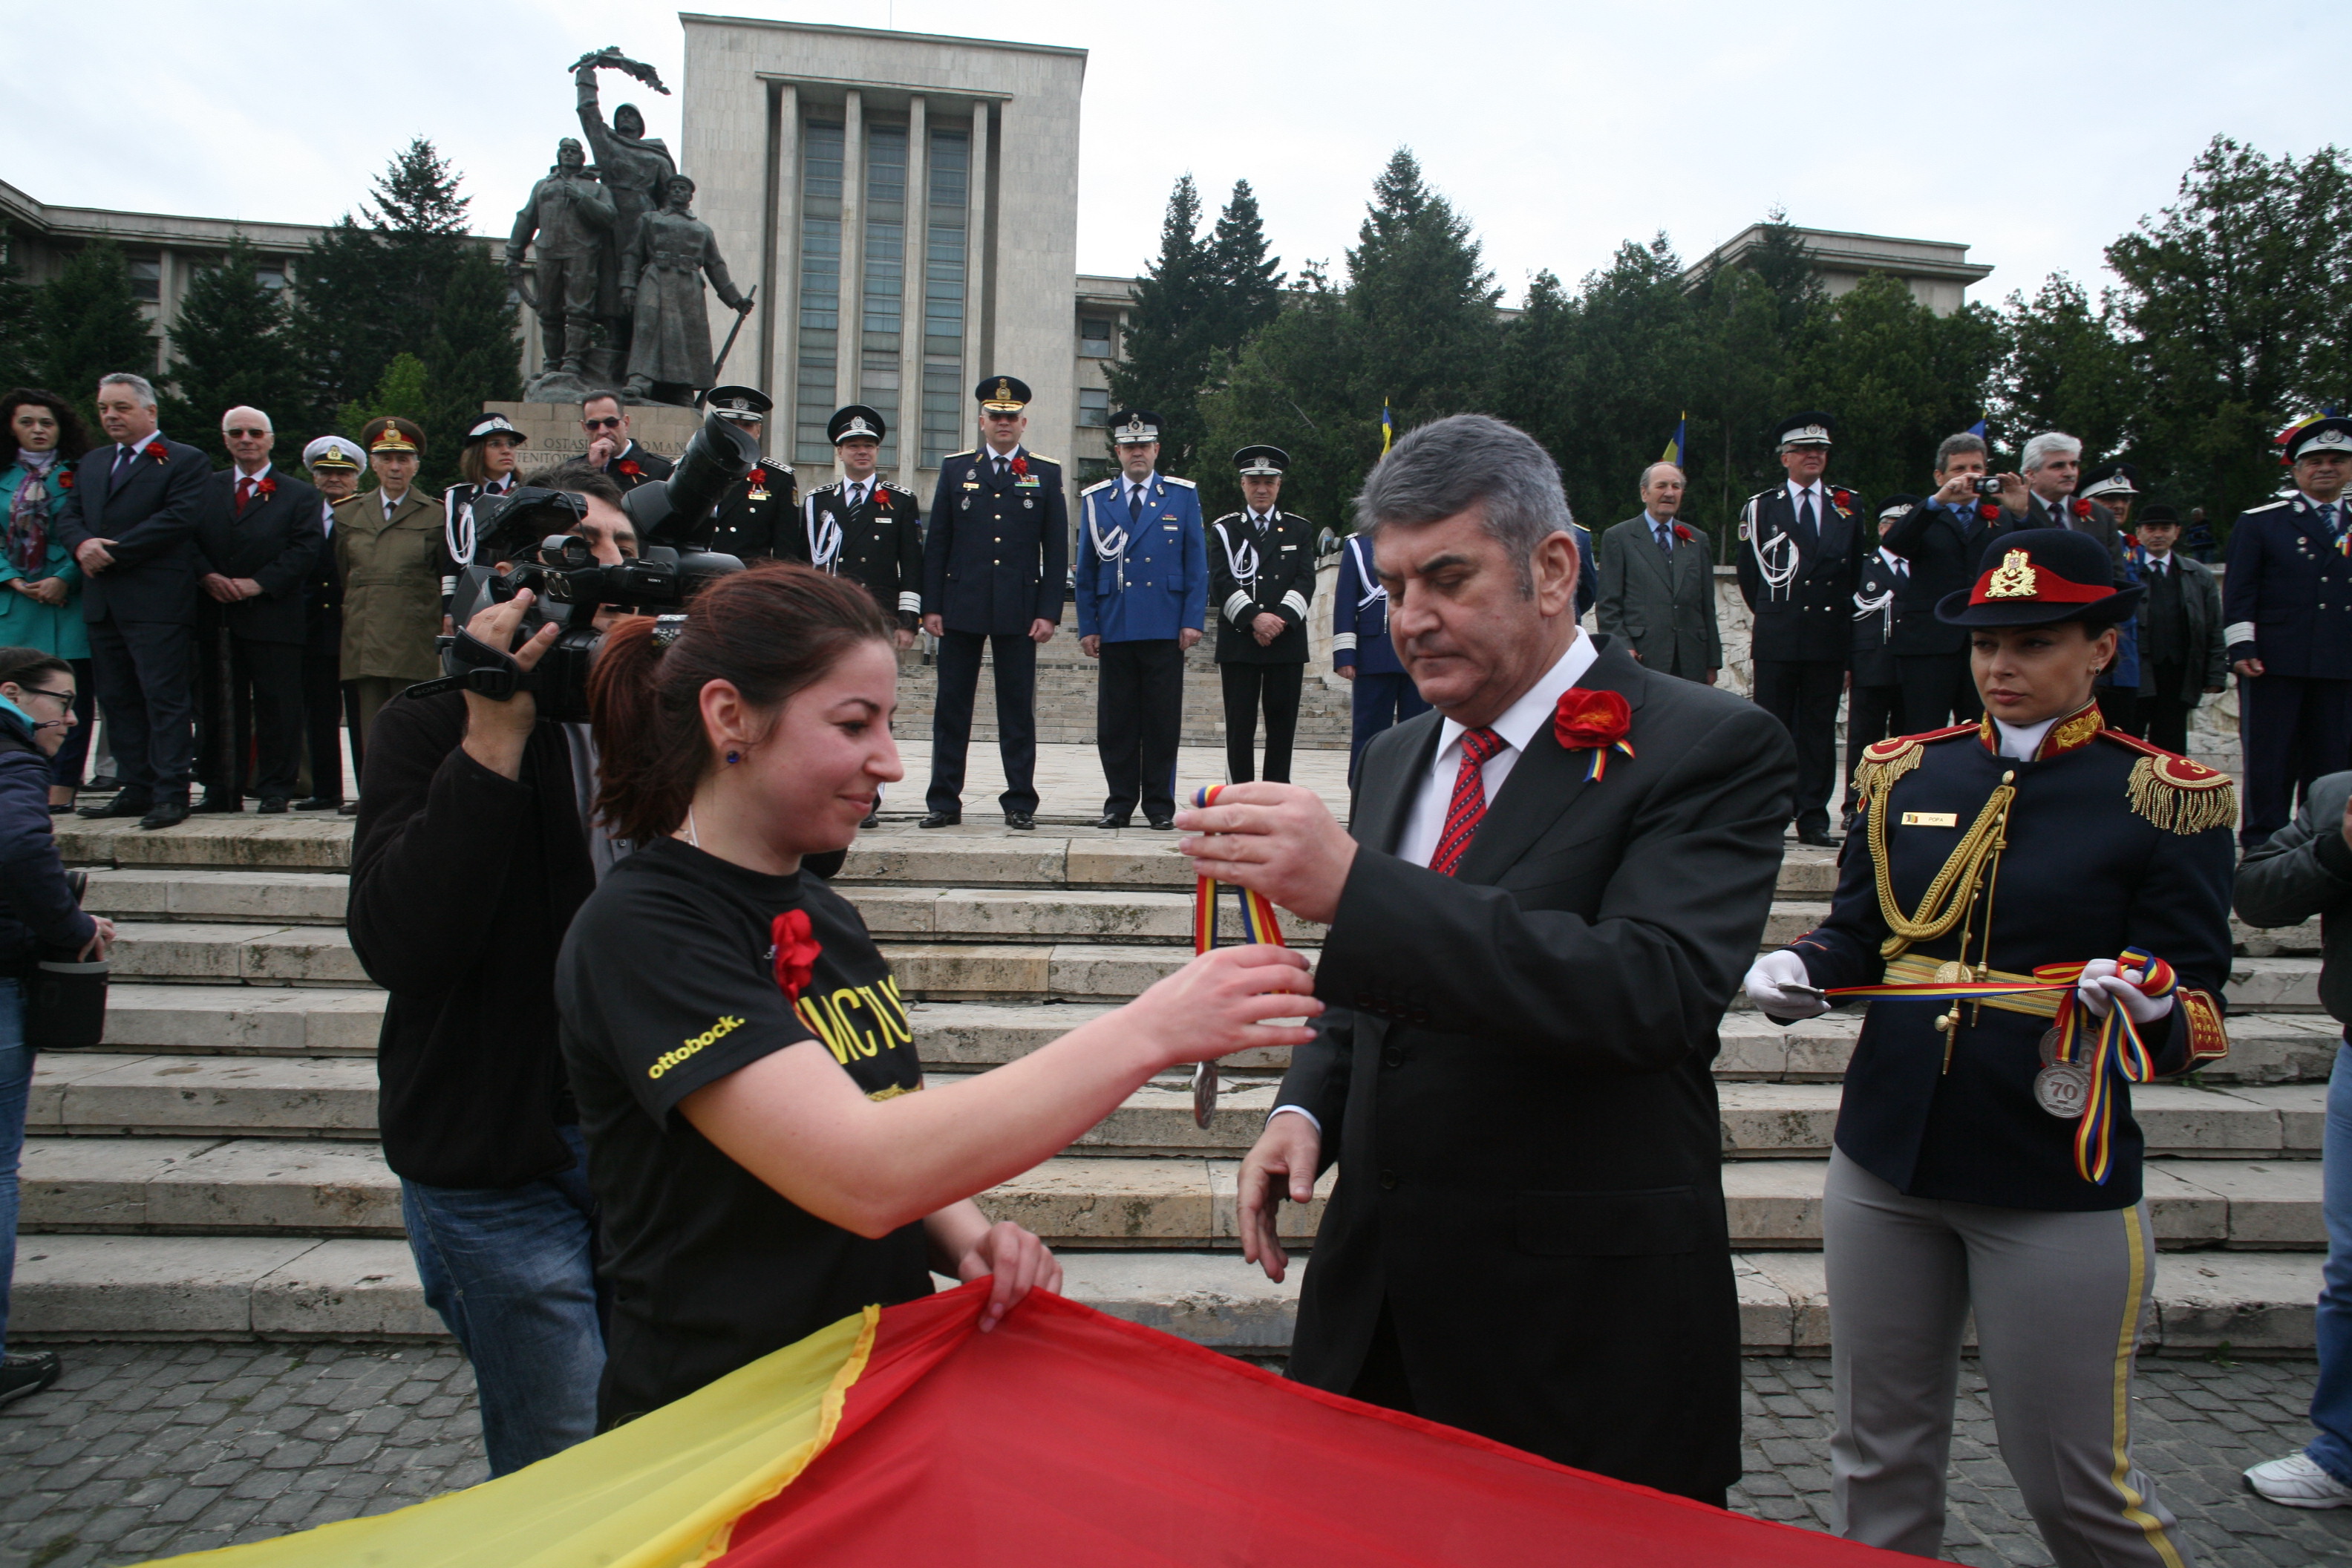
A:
x: 144, y: 1450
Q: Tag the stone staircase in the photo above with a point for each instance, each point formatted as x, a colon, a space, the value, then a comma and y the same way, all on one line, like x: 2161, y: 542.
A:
x: 213, y: 1172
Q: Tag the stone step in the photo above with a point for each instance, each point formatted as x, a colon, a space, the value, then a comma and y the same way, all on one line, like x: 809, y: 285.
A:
x: 97, y: 1094
x: 182, y: 893
x: 241, y: 1020
x: 207, y: 1288
x: 1089, y: 1200
x: 219, y: 953
x: 300, y: 841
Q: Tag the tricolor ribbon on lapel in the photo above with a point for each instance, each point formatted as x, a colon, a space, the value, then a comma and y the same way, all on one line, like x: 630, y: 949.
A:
x: 1258, y: 925
x: 2115, y: 1041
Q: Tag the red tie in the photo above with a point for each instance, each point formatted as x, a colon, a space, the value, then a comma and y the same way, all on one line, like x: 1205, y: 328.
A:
x: 1468, y: 807
x: 244, y: 492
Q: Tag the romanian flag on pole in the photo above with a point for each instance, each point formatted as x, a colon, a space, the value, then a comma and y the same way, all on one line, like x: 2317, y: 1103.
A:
x: 1387, y: 429
x: 903, y: 1434
x: 1673, y: 452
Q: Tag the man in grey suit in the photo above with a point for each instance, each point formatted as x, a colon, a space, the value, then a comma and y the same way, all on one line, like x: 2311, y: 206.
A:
x: 1658, y: 583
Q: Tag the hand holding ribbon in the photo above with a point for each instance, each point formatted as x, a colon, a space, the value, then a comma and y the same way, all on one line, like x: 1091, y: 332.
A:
x: 1259, y: 924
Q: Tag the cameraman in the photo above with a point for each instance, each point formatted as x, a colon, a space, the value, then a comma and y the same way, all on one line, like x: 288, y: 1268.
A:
x: 472, y: 855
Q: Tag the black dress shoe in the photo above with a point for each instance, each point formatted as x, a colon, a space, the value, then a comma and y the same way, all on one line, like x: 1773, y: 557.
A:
x: 1162, y: 823
x: 1817, y: 837
x: 218, y: 804
x: 1025, y: 821
x: 105, y: 780
x: 67, y: 809
x: 1110, y: 819
x: 165, y: 814
x: 872, y: 820
x: 274, y: 805
x: 942, y: 819
x: 317, y: 803
x: 24, y: 1372
x: 349, y: 808
x: 126, y: 804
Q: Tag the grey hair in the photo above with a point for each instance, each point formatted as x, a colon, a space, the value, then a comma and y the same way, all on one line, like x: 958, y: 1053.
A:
x: 1653, y: 468
x: 249, y: 408
x: 140, y: 388
x: 1959, y: 446
x: 1450, y: 465
x: 2048, y: 445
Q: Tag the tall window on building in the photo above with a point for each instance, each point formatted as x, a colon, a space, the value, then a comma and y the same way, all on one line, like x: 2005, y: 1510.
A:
x: 944, y: 260
x: 1093, y: 338
x: 822, y: 143
x: 146, y: 276
x: 1094, y: 407
x: 886, y: 276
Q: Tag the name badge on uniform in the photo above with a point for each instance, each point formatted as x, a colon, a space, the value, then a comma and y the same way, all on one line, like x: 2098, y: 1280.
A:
x: 757, y: 495
x: 972, y: 484
x: 1931, y: 819
x: 1026, y: 482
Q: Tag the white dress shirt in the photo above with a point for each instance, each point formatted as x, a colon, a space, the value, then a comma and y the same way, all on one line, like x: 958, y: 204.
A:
x: 2021, y: 740
x: 1895, y: 563
x: 1797, y: 494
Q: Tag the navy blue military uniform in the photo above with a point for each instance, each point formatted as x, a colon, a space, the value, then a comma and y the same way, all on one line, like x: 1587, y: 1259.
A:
x: 874, y: 538
x: 995, y: 562
x: 1142, y: 577
x: 1384, y: 694
x: 2286, y: 600
x: 1261, y: 564
x: 1797, y: 566
x: 1874, y: 703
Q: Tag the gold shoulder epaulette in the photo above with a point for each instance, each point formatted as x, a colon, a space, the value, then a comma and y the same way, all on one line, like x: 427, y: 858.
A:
x: 2176, y: 794
x: 1883, y: 761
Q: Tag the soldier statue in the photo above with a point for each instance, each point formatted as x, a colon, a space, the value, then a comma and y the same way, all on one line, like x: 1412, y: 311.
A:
x: 570, y: 215
x: 663, y: 262
x: 635, y: 168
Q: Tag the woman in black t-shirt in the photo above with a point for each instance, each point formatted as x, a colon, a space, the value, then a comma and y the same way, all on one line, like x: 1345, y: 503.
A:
x: 744, y: 1064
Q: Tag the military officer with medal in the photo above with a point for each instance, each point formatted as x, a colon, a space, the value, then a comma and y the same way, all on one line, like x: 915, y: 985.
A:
x: 1143, y: 587
x: 757, y: 517
x: 863, y: 527
x: 1261, y: 579
x: 2037, y: 917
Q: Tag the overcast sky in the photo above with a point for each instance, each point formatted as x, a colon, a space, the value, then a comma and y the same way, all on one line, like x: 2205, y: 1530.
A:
x: 2033, y: 132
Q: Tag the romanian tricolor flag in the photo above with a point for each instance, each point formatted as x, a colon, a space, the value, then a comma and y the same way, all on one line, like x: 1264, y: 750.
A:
x: 1673, y: 452
x: 1387, y: 429
x: 904, y: 1435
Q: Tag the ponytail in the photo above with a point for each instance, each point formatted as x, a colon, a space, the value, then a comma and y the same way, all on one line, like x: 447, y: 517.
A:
x: 770, y: 631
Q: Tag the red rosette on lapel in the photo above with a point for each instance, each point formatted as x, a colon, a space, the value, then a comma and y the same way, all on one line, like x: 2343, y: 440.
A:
x: 756, y: 477
x: 628, y: 466
x: 1842, y: 500
x: 1683, y: 535
x: 1592, y: 720
x: 64, y: 477
x: 1021, y: 468
x: 1988, y: 511
x: 796, y: 953
x: 265, y: 489
x: 2079, y: 507
x: 155, y: 451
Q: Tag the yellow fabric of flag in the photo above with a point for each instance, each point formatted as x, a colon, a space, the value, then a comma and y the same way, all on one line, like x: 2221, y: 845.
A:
x: 661, y: 1492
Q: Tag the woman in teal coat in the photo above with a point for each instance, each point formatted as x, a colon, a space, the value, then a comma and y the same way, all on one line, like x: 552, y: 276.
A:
x: 40, y: 586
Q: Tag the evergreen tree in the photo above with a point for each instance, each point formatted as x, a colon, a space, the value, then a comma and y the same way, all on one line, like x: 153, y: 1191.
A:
x: 20, y: 323
x: 2066, y: 368
x: 1899, y: 378
x: 404, y: 391
x: 472, y: 358
x: 1246, y: 281
x: 230, y: 346
x: 1170, y: 333
x: 1422, y: 298
x: 92, y: 326
x: 1297, y: 385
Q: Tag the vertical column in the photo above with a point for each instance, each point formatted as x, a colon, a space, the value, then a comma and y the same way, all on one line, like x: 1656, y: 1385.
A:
x: 850, y: 355
x: 976, y: 265
x: 908, y: 417
x: 784, y: 303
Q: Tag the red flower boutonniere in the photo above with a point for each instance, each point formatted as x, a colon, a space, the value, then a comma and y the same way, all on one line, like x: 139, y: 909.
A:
x: 1682, y: 535
x: 265, y: 489
x: 796, y: 953
x: 64, y: 477
x: 1987, y: 510
x: 1021, y: 468
x: 756, y: 477
x: 1843, y: 500
x: 1593, y: 720
x: 155, y: 451
x: 2079, y: 507
x: 628, y: 466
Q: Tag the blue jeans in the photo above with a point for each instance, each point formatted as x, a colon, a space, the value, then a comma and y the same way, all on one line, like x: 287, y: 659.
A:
x: 15, y: 1081
x: 512, y: 1271
x: 2331, y: 1401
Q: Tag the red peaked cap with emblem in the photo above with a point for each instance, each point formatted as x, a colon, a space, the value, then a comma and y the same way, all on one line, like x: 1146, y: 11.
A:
x: 2039, y: 577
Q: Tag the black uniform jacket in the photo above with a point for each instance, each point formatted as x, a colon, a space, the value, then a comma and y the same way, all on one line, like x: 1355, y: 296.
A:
x: 997, y: 556
x: 1877, y: 611
x: 1515, y: 1067
x: 2098, y: 522
x: 757, y: 517
x: 1943, y: 548
x: 1251, y: 577
x: 322, y: 600
x: 633, y: 465
x: 150, y: 515
x: 878, y: 544
x: 2086, y: 874
x: 276, y: 543
x: 1807, y: 617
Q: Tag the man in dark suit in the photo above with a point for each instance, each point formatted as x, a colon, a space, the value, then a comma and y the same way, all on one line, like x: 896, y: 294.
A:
x: 611, y: 450
x: 2040, y: 494
x: 130, y: 521
x: 1657, y: 584
x: 334, y: 465
x: 2179, y: 632
x: 996, y: 561
x: 1939, y: 543
x: 259, y: 546
x: 1873, y: 700
x: 1801, y: 545
x: 1534, y: 931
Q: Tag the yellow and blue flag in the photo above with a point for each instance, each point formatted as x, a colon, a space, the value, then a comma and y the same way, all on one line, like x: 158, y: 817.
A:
x: 1977, y: 430
x: 1673, y: 452
x: 1387, y: 429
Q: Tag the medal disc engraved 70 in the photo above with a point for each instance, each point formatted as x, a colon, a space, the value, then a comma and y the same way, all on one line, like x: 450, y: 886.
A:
x: 2063, y: 1089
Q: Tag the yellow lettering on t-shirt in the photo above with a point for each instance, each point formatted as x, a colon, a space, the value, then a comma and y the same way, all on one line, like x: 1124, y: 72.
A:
x: 668, y: 1060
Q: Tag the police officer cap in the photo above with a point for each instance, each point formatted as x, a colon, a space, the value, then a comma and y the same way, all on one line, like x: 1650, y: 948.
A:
x: 2110, y: 479
x: 2330, y: 435
x: 1895, y: 508
x: 334, y: 452
x: 490, y: 424
x: 742, y: 404
x: 2157, y: 515
x: 2038, y: 577
x: 855, y: 422
x: 1002, y: 394
x: 1812, y: 429
x: 1134, y: 426
x: 1261, y: 462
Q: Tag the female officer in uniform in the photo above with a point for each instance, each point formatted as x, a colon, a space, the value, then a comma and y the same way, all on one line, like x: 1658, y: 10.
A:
x: 1986, y: 1153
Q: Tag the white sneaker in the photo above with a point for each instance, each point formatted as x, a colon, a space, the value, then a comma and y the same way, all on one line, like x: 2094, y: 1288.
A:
x: 2296, y: 1482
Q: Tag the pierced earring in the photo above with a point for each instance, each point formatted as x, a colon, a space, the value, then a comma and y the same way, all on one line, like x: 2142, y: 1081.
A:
x: 734, y: 757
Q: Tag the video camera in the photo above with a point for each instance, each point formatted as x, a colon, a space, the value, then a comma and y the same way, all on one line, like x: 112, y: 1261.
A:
x: 533, y: 528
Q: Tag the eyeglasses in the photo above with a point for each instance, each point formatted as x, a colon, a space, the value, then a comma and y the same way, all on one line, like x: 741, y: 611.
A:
x: 62, y: 698
x: 611, y: 424
x: 246, y: 432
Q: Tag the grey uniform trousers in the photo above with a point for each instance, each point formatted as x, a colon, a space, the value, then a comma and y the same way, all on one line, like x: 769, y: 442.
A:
x: 2059, y: 1297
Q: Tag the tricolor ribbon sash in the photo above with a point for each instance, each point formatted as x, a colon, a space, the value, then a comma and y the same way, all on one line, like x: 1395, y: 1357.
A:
x: 1258, y: 925
x: 2116, y: 1044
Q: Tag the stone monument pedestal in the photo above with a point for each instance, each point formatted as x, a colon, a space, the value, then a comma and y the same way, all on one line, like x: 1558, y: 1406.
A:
x: 552, y: 435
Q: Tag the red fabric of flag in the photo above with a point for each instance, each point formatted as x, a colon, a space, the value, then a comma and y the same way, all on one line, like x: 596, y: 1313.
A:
x: 1065, y: 1436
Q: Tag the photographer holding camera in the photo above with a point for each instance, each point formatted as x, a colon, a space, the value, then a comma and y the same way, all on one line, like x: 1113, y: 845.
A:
x: 472, y: 855
x: 1939, y: 543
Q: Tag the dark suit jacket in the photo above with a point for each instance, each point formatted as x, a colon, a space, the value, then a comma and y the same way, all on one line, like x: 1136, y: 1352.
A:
x: 276, y: 543
x: 1807, y: 617
x: 151, y: 518
x: 2201, y: 666
x: 1514, y: 1075
x: 1943, y: 548
x: 1281, y: 584
x: 2100, y: 525
x: 649, y: 466
x: 997, y: 554
x: 1666, y: 609
x: 322, y: 600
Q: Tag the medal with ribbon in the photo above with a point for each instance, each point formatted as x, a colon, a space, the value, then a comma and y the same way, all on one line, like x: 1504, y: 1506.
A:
x: 1258, y: 925
x: 2076, y: 1082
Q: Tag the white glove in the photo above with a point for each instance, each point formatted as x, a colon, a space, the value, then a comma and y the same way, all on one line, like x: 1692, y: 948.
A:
x: 2104, y: 982
x: 1769, y: 982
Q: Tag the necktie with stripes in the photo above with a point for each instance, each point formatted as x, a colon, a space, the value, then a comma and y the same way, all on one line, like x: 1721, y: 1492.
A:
x: 1468, y: 806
